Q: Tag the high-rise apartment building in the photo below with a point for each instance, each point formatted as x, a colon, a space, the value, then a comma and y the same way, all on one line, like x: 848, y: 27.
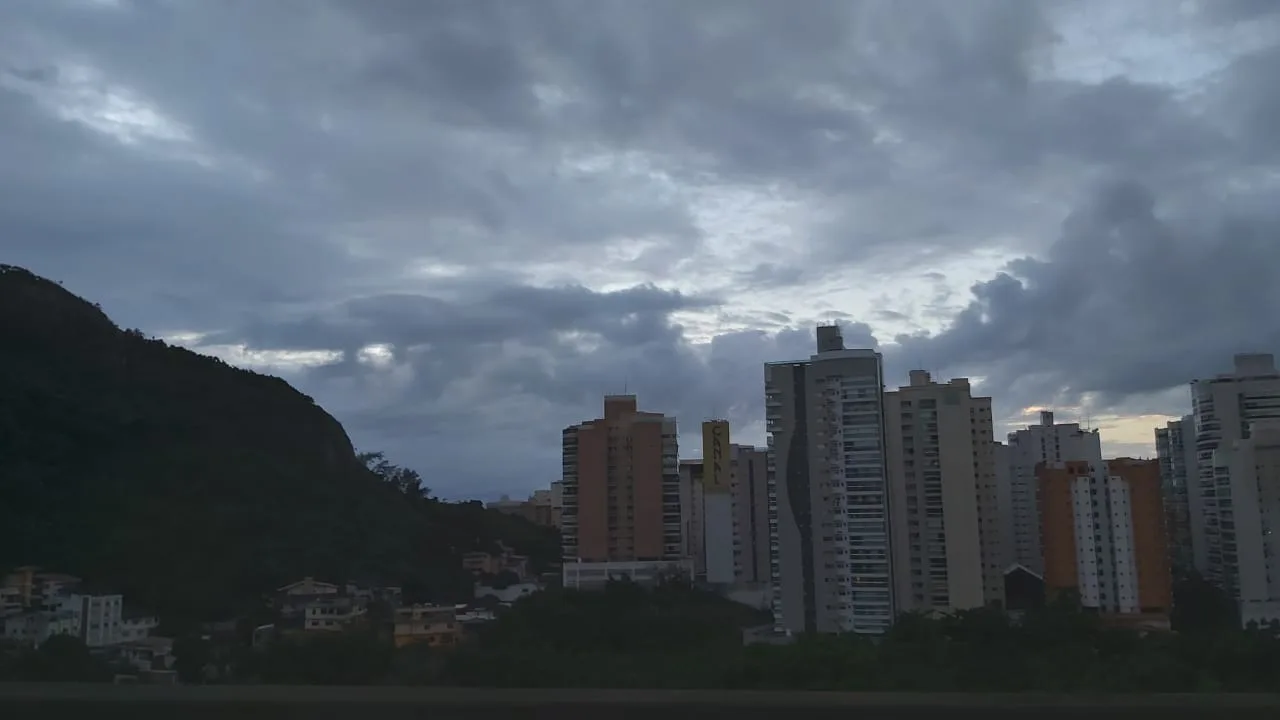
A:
x: 751, y: 537
x: 1004, y: 504
x: 1176, y: 450
x: 717, y: 502
x: 942, y: 479
x: 1104, y: 535
x: 621, y: 486
x: 1247, y: 487
x: 1224, y: 407
x: 832, y: 571
x: 1047, y: 442
x: 745, y: 535
x: 691, y: 497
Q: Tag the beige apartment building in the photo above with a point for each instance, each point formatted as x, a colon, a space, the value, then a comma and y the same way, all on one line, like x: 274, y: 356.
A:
x: 943, y: 496
x: 621, y: 486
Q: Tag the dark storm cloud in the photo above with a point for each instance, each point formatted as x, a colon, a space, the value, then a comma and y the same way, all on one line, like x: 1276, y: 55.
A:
x: 354, y: 175
x: 1131, y: 299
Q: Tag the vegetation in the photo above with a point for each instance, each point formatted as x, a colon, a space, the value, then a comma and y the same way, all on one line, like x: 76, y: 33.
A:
x: 61, y: 658
x: 192, y: 486
x: 679, y: 637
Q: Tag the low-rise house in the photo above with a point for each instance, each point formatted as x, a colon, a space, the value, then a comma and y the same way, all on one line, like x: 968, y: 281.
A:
x: 33, y: 627
x: 35, y: 588
x: 101, y: 619
x: 308, y: 586
x: 135, y: 627
x: 10, y: 601
x: 391, y: 595
x: 433, y: 625
x: 333, y: 613
x: 292, y: 601
x: 148, y: 654
x: 470, y: 617
x: 479, y: 562
x: 584, y: 575
x: 263, y: 635
x: 508, y: 594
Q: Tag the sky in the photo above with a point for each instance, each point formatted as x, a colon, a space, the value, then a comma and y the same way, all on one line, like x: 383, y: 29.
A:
x: 457, y: 224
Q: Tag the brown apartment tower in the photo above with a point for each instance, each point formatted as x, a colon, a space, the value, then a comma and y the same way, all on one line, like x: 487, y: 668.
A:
x: 1103, y: 530
x: 621, y: 486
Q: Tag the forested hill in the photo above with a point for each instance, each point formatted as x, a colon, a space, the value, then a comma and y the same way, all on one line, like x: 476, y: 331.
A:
x: 191, y: 485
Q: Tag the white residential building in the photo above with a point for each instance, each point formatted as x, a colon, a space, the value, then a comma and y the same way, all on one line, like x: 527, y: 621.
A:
x: 101, y: 619
x: 1047, y: 442
x: 832, y: 569
x: 1224, y: 408
x: 1247, y: 489
x: 33, y: 627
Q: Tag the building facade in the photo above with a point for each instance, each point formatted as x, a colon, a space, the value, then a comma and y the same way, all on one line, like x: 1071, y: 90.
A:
x: 1224, y: 407
x: 1048, y: 442
x: 101, y: 619
x: 942, y: 480
x: 621, y: 486
x: 744, y: 533
x: 718, y: 531
x: 1176, y: 451
x: 1247, y: 488
x: 1104, y: 535
x: 832, y: 570
x: 691, y: 495
x: 431, y: 625
x: 750, y: 492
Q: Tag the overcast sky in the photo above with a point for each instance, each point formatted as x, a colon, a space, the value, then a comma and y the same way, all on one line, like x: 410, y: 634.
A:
x: 456, y: 224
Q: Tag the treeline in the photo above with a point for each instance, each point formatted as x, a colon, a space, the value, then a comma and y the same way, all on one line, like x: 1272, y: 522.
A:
x: 681, y: 638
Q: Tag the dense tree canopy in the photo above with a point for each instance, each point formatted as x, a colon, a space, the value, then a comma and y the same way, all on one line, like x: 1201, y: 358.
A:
x: 679, y: 637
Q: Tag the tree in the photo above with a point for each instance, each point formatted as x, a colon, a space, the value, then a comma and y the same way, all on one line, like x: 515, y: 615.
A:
x: 191, y: 655
x: 405, y: 480
x: 1201, y: 606
x: 61, y: 658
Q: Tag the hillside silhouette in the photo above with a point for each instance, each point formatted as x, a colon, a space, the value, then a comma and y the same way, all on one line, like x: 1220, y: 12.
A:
x: 193, y: 486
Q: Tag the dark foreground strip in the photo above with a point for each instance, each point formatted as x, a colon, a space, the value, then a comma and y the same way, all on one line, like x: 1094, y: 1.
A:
x: 18, y: 702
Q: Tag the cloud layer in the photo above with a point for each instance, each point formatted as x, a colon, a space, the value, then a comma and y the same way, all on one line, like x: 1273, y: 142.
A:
x: 458, y: 224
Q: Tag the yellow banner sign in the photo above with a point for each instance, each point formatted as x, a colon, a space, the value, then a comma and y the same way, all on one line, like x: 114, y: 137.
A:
x: 716, y: 467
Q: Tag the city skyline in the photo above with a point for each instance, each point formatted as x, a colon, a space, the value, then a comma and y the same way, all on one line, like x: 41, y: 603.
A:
x: 458, y: 224
x: 883, y: 501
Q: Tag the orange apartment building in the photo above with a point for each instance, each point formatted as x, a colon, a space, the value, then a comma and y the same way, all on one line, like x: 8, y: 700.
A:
x: 1103, y: 535
x: 621, y: 486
